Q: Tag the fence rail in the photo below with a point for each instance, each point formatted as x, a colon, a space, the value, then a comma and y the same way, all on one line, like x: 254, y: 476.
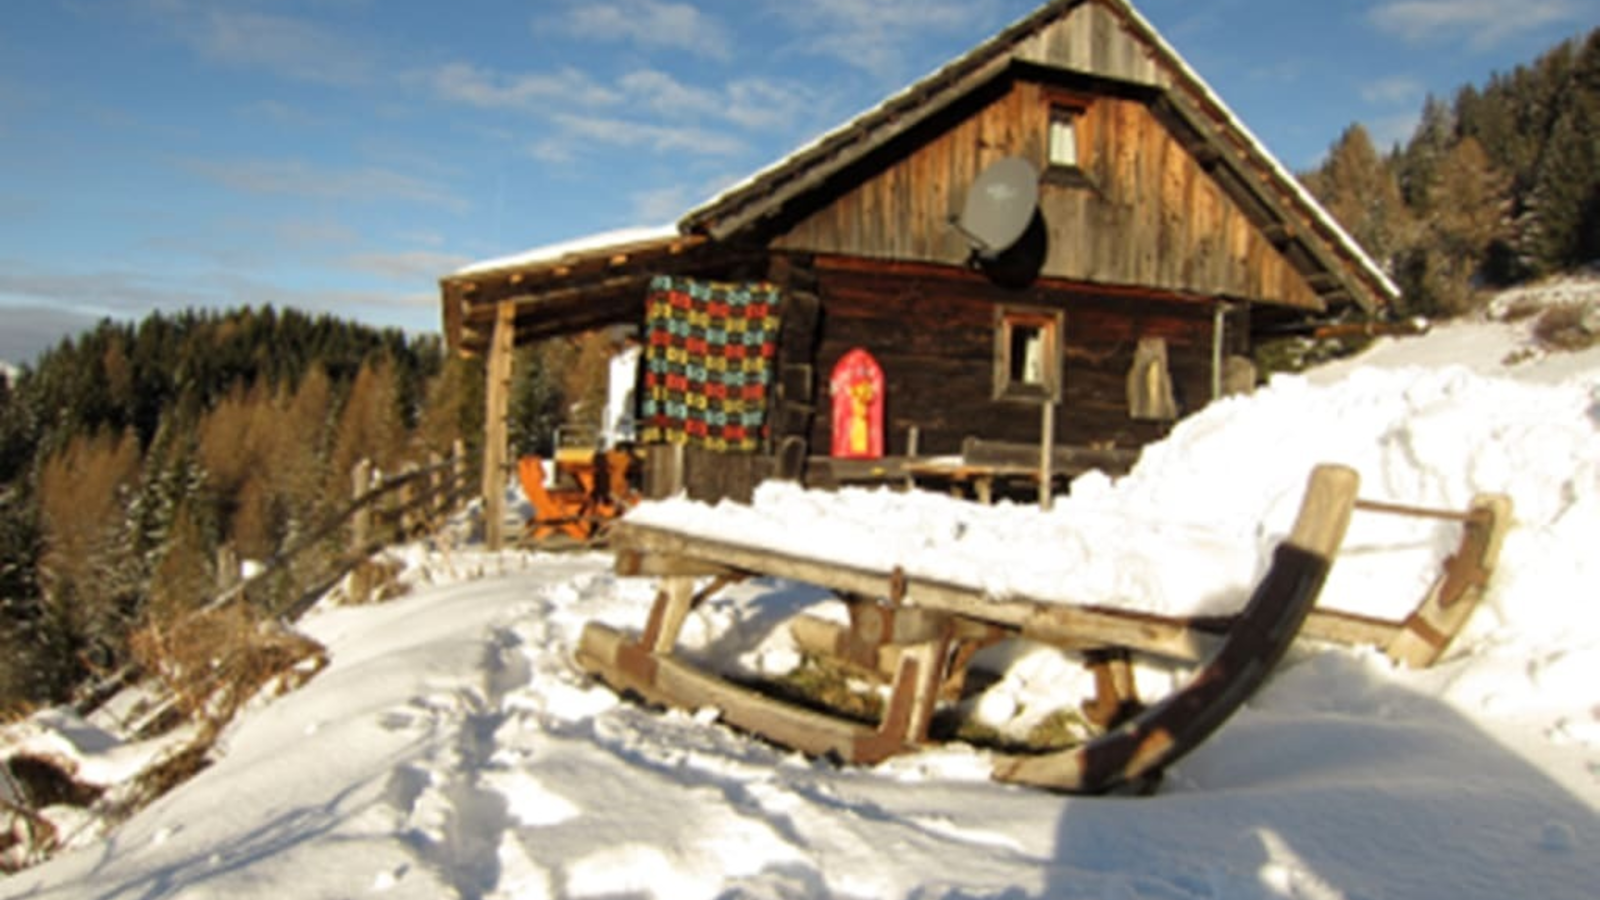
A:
x: 382, y: 510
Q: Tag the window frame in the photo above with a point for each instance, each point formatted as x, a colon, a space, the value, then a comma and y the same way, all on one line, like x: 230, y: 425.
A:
x: 1009, y: 386
x: 1073, y: 109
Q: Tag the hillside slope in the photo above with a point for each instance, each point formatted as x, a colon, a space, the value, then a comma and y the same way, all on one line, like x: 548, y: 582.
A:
x: 452, y: 749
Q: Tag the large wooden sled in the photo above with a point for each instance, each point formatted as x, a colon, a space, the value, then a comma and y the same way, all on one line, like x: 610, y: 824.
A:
x: 922, y: 633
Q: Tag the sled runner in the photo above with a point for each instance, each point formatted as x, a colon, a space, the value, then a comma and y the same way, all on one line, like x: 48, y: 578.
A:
x: 921, y: 634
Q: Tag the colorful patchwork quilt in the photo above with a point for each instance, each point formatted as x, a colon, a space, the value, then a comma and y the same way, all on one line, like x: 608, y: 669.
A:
x: 708, y: 360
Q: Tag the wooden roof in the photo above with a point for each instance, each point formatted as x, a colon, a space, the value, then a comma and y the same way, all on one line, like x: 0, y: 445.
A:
x: 1102, y: 38
x: 589, y: 286
x: 595, y: 285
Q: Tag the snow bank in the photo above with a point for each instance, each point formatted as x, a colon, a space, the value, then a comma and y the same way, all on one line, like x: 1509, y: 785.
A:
x: 1191, y: 528
x: 451, y: 747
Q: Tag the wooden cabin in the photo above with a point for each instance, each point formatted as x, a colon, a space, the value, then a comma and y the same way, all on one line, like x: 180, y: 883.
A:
x: 1164, y: 236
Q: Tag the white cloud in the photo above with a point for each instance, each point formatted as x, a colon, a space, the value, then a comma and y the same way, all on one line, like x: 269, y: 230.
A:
x: 651, y: 23
x: 662, y: 93
x: 1387, y: 131
x: 406, y: 265
x: 665, y: 115
x: 473, y: 86
x: 31, y: 330
x: 1483, y: 23
x: 1392, y: 90
x: 96, y: 294
x: 630, y: 134
x: 871, y: 34
x: 284, y: 45
x: 298, y: 178
x: 663, y: 204
x: 750, y: 103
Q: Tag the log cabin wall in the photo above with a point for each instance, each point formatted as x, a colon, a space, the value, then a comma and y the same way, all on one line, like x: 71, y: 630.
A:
x: 1143, y: 210
x: 932, y: 330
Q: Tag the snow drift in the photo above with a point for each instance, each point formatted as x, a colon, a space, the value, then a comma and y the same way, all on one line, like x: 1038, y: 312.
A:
x: 452, y: 749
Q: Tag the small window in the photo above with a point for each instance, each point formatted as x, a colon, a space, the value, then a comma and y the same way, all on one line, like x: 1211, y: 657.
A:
x: 1067, y: 143
x: 1027, y: 363
x: 1064, y: 137
x: 1150, y: 382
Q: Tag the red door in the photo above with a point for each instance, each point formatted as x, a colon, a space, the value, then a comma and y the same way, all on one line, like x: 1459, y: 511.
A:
x: 857, y: 388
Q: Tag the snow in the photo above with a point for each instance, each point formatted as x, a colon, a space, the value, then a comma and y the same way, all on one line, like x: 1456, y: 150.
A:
x: 452, y: 748
x: 550, y: 253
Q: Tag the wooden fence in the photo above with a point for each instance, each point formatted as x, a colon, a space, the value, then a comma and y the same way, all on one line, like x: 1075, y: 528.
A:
x: 383, y: 510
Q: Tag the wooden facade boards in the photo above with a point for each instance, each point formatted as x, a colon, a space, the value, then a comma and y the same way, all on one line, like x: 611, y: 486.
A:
x: 1144, y: 212
x: 933, y: 333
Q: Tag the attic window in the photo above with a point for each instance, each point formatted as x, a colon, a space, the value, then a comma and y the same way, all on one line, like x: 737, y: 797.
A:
x: 1066, y: 140
x: 1027, y: 355
x: 1064, y: 136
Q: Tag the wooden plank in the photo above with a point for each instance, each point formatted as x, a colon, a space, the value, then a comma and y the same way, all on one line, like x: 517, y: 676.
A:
x: 1065, y: 459
x: 1060, y: 624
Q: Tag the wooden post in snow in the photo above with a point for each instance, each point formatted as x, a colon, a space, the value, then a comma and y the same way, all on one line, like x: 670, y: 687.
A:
x: 361, y: 522
x: 497, y: 404
x: 1047, y: 453
x: 458, y: 475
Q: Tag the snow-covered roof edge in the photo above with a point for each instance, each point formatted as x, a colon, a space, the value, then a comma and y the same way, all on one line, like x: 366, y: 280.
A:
x: 1279, y: 170
x: 582, y: 246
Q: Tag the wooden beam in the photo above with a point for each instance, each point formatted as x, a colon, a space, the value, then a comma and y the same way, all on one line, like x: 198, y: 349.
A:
x: 530, y: 305
x: 497, y: 403
x: 840, y: 150
x: 1058, y: 624
x: 1255, y: 178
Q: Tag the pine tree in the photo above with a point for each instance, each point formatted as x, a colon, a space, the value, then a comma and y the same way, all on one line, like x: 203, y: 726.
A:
x: 1470, y: 204
x: 369, y: 425
x: 1559, y: 227
x: 584, y: 384
x: 87, y: 569
x: 30, y: 670
x: 1362, y: 193
x: 454, y: 408
x: 1419, y: 162
x: 537, y: 397
x: 183, y: 579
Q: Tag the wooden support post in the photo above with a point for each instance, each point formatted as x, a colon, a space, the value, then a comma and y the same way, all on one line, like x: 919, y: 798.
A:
x: 497, y: 403
x: 1218, y: 326
x: 405, y: 504
x: 438, y: 480
x: 361, y: 522
x: 458, y: 483
x: 664, y: 470
x: 672, y: 608
x: 913, y: 439
x: 1047, y: 454
x: 227, y: 568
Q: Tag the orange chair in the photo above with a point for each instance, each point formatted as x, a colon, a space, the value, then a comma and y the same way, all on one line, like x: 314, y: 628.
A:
x: 593, y: 490
x: 558, y: 510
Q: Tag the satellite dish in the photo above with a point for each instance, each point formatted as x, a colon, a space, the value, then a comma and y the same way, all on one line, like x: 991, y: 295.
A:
x: 1000, y: 206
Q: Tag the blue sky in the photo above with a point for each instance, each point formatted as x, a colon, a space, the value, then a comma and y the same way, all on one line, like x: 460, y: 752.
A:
x: 342, y: 155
